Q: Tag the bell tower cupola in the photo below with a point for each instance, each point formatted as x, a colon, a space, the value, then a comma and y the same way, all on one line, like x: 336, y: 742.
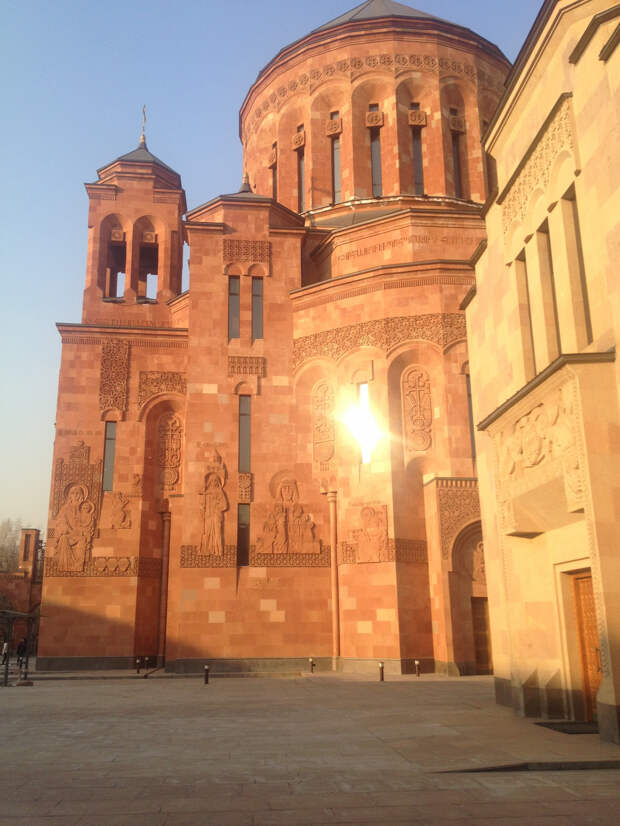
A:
x: 135, y: 245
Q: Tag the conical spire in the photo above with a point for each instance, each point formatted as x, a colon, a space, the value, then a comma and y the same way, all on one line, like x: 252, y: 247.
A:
x: 245, y: 183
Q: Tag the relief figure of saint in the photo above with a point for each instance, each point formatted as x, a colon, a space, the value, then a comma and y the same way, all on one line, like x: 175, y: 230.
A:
x: 75, y: 527
x: 214, y: 505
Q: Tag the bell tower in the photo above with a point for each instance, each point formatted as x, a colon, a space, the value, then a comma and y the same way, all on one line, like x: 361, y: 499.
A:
x: 135, y: 245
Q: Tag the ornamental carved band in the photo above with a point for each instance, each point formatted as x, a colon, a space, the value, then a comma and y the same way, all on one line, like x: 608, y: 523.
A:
x: 154, y: 382
x: 536, y: 172
x: 114, y: 374
x: 385, y: 333
x: 323, y: 431
x: 109, y: 566
x: 170, y: 442
x: 458, y: 505
x: 417, y: 409
x: 247, y: 366
x: 246, y: 251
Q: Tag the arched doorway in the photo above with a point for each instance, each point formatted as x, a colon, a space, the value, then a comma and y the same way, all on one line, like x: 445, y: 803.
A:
x: 469, y: 605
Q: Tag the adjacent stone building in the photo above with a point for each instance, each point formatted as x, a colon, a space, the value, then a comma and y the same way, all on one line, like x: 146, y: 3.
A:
x: 278, y: 463
x: 543, y: 321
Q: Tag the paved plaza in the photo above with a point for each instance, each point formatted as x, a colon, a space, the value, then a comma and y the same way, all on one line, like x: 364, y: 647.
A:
x: 314, y: 749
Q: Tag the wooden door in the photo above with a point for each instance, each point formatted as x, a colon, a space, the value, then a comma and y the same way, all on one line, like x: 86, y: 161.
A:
x: 587, y: 631
x: 482, y: 637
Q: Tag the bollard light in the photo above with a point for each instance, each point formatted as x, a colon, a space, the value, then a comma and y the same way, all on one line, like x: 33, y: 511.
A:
x: 138, y: 664
x: 311, y: 663
x: 206, y: 675
x: 417, y: 667
x: 381, y: 673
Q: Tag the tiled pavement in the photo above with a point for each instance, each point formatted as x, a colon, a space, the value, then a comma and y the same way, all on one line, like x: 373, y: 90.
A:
x: 316, y: 749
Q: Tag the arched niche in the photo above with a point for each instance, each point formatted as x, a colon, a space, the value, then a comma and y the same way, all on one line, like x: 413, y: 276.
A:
x: 456, y: 122
x: 376, y: 90
x: 416, y: 101
x: 294, y: 116
x: 147, y: 271
x: 330, y: 126
x: 468, y: 603
x: 112, y: 232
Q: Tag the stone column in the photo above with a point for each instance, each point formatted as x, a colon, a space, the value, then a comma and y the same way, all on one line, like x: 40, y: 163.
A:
x: 333, y: 538
x: 163, y: 596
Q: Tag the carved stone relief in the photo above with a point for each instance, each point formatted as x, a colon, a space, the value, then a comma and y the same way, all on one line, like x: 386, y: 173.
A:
x: 214, y: 504
x: 114, y: 374
x: 396, y: 550
x: 372, y: 535
x: 108, y: 566
x: 239, y: 250
x: 245, y: 491
x: 77, y: 469
x: 459, y: 505
x: 287, y: 529
x: 154, y: 382
x: 541, y: 445
x: 170, y: 443
x: 246, y: 366
x: 323, y: 430
x: 537, y: 169
x: 386, y: 333
x: 417, y: 409
x: 115, y: 513
x: 74, y: 530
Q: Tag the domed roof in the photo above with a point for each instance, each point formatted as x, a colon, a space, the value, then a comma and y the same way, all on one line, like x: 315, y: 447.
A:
x: 372, y: 9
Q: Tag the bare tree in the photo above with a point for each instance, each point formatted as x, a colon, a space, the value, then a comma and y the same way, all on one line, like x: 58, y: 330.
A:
x: 10, y: 532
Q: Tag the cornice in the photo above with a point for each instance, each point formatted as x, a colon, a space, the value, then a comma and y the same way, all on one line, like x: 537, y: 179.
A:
x: 562, y: 361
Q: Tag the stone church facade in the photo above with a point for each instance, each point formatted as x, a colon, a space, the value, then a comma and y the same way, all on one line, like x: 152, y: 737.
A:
x: 280, y: 463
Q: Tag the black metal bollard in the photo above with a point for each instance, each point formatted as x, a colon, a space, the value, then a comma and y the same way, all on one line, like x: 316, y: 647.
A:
x: 206, y: 675
x: 381, y: 673
x: 417, y: 667
x: 138, y: 664
x: 311, y: 664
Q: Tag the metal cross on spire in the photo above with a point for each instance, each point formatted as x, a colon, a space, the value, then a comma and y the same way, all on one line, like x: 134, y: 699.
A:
x: 142, y: 136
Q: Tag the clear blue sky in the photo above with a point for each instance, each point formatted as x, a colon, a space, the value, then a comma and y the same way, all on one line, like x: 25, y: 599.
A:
x: 75, y: 76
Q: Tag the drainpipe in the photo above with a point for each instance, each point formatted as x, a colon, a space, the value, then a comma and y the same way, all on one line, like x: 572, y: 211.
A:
x: 333, y: 538
x: 163, y: 597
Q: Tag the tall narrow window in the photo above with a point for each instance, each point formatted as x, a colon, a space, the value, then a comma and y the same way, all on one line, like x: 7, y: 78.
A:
x: 108, y: 455
x: 375, y: 155
x: 257, y: 308
x: 525, y: 317
x: 418, y: 165
x: 575, y: 255
x: 243, y: 534
x: 456, y: 159
x: 301, y: 176
x: 244, y: 433
x: 274, y: 172
x: 148, y: 267
x: 470, y: 410
x: 27, y: 540
x: 547, y: 280
x: 336, y: 177
x: 234, y: 285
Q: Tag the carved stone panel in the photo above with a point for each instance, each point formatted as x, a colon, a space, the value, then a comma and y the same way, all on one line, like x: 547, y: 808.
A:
x: 246, y: 252
x: 114, y: 374
x: 77, y: 469
x: 246, y: 366
x: 213, y: 505
x: 154, y: 382
x: 417, y: 409
x: 323, y: 429
x: 459, y: 505
x: 108, y: 566
x: 115, y: 512
x: 170, y: 446
x: 287, y: 529
x: 372, y: 535
x: 245, y: 487
x: 74, y: 530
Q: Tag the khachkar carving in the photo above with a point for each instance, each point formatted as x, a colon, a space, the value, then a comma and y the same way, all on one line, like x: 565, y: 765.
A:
x: 214, y: 504
x: 459, y: 506
x: 170, y: 435
x: 323, y: 428
x: 417, y: 409
x: 246, y: 486
x: 537, y: 169
x: 74, y: 530
x: 250, y: 252
x: 288, y: 529
x: 246, y: 366
x: 109, y: 566
x: 153, y: 382
x: 355, y: 66
x: 372, y: 536
x: 539, y: 446
x: 114, y: 511
x: 114, y: 375
x: 386, y: 333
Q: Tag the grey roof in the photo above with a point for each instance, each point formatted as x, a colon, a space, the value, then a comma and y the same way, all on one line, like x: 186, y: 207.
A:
x: 377, y: 8
x: 142, y: 155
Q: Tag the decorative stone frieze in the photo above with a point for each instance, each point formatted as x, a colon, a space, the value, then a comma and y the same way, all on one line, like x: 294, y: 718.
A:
x: 154, y: 382
x: 247, y: 366
x: 114, y: 375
